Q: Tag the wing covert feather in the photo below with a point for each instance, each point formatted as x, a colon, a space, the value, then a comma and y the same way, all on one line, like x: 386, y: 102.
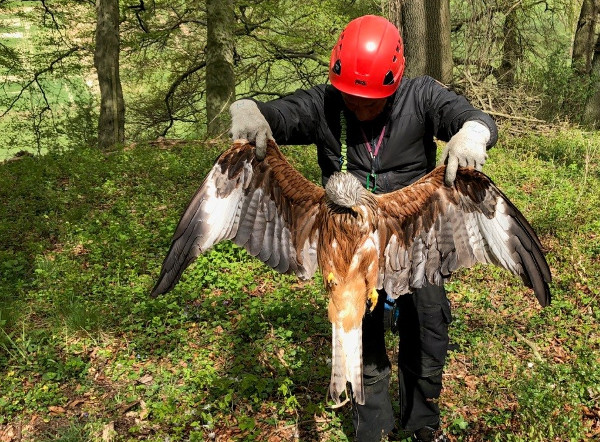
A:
x: 432, y: 230
x: 266, y: 206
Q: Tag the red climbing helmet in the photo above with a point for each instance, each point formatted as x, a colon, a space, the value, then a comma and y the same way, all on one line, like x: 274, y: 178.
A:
x: 368, y: 58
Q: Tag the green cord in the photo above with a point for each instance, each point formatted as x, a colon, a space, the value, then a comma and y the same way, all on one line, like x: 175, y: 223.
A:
x: 344, y: 147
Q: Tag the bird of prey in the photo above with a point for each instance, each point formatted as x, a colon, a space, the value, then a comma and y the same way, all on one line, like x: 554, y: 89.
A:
x: 361, y: 242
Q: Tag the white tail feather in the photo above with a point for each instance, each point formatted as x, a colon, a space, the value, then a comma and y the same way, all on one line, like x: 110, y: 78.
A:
x: 346, y: 363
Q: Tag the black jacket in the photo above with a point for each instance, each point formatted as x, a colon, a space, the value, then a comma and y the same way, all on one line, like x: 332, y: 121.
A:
x: 421, y: 109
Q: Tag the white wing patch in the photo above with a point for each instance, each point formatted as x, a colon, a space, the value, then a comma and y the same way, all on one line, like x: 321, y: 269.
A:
x: 220, y: 214
x: 249, y: 203
x: 496, y: 234
x: 309, y: 258
x: 462, y: 234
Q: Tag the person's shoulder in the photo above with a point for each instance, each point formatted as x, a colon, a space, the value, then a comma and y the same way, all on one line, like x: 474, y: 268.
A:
x: 413, y: 86
x: 320, y: 88
x: 427, y: 81
x: 427, y: 86
x: 329, y: 90
x: 316, y: 92
x: 331, y: 95
x: 415, y: 83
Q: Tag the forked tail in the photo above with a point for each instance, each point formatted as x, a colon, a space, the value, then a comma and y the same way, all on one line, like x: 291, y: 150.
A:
x: 346, y: 364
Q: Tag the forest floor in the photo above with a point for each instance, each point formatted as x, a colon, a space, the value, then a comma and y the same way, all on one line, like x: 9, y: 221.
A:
x: 239, y: 352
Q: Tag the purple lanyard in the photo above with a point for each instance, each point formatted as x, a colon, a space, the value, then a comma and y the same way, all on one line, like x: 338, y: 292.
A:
x: 377, y: 146
x: 372, y: 186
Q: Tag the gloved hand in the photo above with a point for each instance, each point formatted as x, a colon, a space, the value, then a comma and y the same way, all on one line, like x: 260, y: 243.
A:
x: 248, y: 123
x: 467, y: 148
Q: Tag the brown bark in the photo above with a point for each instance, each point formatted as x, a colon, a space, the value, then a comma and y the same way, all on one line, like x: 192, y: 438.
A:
x: 111, y: 123
x: 426, y: 33
x: 414, y: 33
x: 511, y: 50
x: 591, y: 114
x: 585, y: 36
x: 220, y: 79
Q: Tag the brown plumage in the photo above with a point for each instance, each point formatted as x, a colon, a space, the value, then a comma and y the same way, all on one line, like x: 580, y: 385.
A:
x: 361, y: 242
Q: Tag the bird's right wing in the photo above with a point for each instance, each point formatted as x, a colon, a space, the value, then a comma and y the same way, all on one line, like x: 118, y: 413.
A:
x: 266, y: 206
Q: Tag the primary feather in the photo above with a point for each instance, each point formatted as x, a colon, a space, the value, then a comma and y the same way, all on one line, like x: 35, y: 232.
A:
x: 361, y: 242
x: 257, y: 205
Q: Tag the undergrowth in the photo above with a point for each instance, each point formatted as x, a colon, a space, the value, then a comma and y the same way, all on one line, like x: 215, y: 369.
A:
x: 239, y: 352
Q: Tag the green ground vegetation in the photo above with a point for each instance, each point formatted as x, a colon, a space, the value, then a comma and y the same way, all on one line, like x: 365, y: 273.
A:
x: 239, y: 352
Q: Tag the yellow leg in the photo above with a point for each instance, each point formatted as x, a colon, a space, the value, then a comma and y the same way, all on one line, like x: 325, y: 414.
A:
x: 372, y: 299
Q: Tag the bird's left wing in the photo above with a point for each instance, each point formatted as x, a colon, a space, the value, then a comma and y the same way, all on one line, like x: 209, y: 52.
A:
x: 428, y: 230
x: 266, y: 206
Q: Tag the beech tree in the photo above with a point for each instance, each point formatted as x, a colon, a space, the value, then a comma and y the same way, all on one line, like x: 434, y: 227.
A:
x: 111, y: 123
x: 178, y: 62
x: 425, y: 28
x: 585, y: 36
x: 591, y: 114
x: 586, y: 57
x: 511, y: 49
x: 275, y: 47
x: 220, y: 78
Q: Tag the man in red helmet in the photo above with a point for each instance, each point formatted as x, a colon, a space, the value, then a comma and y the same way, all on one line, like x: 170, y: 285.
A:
x: 380, y: 127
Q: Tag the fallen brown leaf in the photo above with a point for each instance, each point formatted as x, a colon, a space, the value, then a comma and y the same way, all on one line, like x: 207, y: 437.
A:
x: 56, y: 409
x: 146, y: 379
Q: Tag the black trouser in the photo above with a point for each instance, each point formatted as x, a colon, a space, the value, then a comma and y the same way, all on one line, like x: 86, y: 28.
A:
x: 423, y: 328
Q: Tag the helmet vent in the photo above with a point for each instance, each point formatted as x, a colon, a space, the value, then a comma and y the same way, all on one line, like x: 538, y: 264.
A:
x: 337, y: 68
x: 389, y: 78
x: 394, y: 59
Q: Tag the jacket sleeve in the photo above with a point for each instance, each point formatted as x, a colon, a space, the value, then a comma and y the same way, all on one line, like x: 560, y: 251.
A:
x: 448, y: 111
x: 295, y: 119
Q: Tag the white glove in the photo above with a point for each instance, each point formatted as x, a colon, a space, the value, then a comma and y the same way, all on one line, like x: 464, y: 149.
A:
x: 467, y: 148
x: 247, y: 122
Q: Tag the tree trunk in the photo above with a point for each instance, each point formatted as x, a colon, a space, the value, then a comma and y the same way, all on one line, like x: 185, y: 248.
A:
x: 392, y: 9
x: 220, y: 79
x: 111, y: 124
x: 591, y: 113
x: 511, y: 50
x: 439, y: 49
x: 585, y: 37
x: 426, y: 33
x: 414, y: 32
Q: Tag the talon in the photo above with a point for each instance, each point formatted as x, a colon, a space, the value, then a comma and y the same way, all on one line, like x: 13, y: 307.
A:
x: 331, y: 279
x: 372, y: 299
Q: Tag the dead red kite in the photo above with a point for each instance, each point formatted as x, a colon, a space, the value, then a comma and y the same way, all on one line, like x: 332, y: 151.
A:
x: 361, y: 242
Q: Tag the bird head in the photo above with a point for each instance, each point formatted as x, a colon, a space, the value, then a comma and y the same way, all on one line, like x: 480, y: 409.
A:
x: 343, y: 190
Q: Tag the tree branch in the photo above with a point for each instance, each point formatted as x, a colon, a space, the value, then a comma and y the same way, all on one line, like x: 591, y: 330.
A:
x: 38, y: 74
x: 140, y: 7
x: 173, y: 89
x: 50, y: 13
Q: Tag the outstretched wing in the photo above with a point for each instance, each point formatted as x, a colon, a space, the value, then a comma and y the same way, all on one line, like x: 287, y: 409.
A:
x: 266, y: 206
x: 430, y: 230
